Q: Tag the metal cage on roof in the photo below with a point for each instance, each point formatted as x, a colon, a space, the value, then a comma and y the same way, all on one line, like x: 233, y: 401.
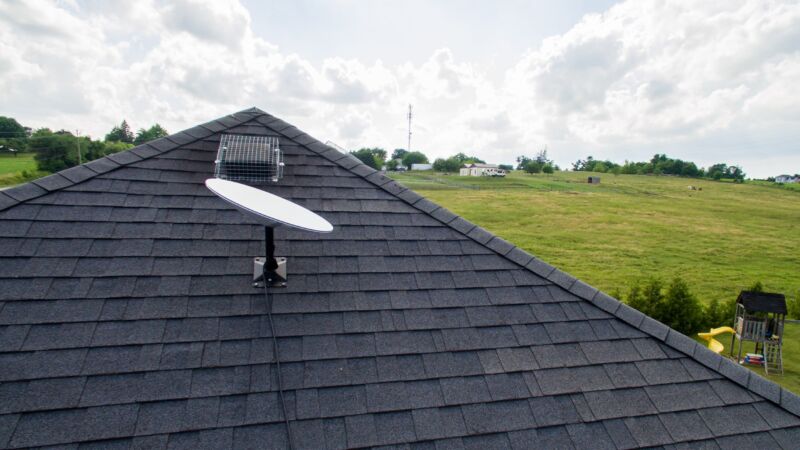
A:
x: 253, y: 159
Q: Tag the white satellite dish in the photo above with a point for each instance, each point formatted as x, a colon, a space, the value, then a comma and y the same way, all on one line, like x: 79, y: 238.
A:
x: 271, y: 211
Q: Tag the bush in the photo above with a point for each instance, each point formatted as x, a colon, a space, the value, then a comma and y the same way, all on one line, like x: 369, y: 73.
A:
x: 548, y: 168
x: 719, y: 314
x: 678, y: 308
x: 532, y: 166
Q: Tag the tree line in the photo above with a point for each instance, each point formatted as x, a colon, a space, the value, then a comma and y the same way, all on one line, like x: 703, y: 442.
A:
x: 58, y: 150
x: 661, y: 164
x: 375, y: 157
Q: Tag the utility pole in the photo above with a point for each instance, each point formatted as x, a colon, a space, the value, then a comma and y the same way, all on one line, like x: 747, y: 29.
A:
x: 410, y: 115
x: 78, y: 140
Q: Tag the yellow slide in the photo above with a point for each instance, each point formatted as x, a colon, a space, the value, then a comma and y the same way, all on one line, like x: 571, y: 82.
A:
x: 713, y: 344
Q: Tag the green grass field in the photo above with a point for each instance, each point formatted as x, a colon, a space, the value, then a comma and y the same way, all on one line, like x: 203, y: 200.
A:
x: 720, y: 239
x: 11, y: 168
x: 11, y: 164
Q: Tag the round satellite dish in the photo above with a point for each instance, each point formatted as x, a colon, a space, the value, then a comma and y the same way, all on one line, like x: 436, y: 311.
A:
x: 267, y: 208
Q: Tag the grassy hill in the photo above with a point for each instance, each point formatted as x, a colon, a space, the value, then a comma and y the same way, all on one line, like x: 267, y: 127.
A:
x: 720, y: 239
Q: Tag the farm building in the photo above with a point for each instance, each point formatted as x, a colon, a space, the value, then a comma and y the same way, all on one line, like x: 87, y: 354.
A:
x: 128, y: 319
x: 480, y: 170
x: 419, y: 166
x: 593, y: 180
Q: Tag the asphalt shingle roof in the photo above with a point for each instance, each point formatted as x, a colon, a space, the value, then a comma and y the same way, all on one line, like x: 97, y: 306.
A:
x: 128, y: 319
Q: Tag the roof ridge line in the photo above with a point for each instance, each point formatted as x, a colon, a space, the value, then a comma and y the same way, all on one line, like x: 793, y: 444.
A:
x: 77, y: 174
x: 674, y: 339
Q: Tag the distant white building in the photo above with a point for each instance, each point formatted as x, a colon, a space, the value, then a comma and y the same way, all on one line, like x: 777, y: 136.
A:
x: 421, y: 166
x: 481, y: 170
x: 787, y: 179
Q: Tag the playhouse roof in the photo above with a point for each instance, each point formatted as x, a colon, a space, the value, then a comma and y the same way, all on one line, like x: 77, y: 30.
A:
x: 763, y: 302
x: 128, y: 319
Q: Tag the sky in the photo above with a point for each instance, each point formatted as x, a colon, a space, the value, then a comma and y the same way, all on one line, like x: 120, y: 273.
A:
x: 709, y: 82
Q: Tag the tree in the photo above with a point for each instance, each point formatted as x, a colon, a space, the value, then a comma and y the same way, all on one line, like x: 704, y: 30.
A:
x: 398, y: 153
x: 508, y: 167
x: 373, y: 157
x: 414, y: 158
x: 54, y: 151
x: 547, y: 168
x: 636, y: 300
x: 59, y: 150
x: 464, y: 159
x: 13, y: 136
x: 150, y: 134
x: 532, y: 166
x: 391, y: 164
x: 541, y: 156
x: 121, y: 133
x: 756, y: 287
x: 680, y: 309
x: 451, y: 164
x: 521, y: 161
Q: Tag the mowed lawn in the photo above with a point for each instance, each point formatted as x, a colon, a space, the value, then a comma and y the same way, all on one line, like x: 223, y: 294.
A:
x: 720, y: 239
x: 12, y: 164
x: 11, y: 168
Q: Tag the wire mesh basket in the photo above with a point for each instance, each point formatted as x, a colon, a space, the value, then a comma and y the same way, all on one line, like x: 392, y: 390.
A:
x: 255, y: 159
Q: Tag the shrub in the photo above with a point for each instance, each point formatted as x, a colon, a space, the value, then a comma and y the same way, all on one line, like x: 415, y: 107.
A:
x: 756, y: 287
x: 719, y: 314
x: 548, y: 168
x: 678, y: 308
x: 533, y: 166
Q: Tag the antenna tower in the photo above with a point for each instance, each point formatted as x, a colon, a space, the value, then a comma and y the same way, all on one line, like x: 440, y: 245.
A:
x: 410, y: 115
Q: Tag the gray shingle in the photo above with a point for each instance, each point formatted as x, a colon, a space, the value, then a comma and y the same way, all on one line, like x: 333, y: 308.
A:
x: 733, y: 419
x: 775, y: 416
x: 553, y: 410
x: 461, y: 390
x: 647, y: 431
x: 25, y: 192
x: 65, y: 426
x: 591, y: 435
x: 340, y: 401
x: 507, y: 386
x: 107, y: 389
x: 573, y: 379
x: 685, y: 396
x: 497, y: 416
x: 437, y: 423
x: 393, y: 428
x: 619, y: 403
x: 765, y: 388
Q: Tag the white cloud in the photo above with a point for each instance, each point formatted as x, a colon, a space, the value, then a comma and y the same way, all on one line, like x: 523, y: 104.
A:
x: 702, y: 79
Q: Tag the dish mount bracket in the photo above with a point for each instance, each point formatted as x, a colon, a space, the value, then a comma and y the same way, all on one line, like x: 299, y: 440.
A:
x: 269, y: 269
